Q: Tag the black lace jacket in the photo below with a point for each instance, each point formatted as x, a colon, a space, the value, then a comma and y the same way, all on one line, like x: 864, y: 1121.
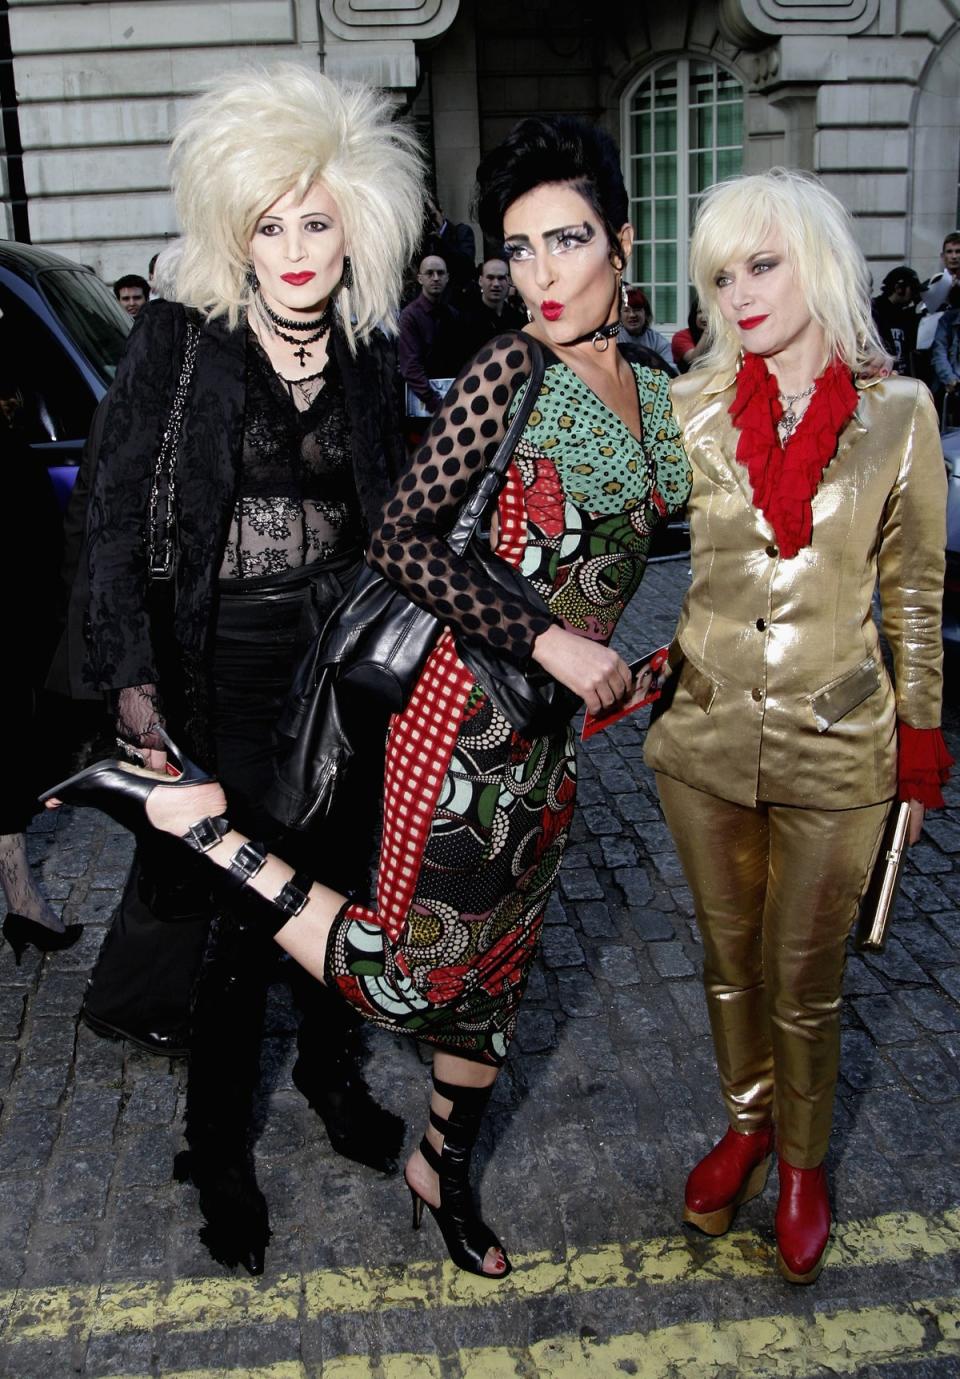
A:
x: 117, y: 617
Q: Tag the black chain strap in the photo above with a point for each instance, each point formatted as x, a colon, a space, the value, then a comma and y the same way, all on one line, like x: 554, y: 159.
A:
x: 162, y: 513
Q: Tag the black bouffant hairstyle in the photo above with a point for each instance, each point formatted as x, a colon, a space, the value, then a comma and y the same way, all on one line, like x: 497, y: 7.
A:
x: 553, y: 148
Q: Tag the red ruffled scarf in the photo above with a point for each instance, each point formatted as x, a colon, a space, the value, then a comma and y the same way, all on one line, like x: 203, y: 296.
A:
x: 784, y: 480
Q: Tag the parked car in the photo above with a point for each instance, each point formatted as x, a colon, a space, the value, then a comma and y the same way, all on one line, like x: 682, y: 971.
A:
x: 64, y: 333
x: 951, y: 584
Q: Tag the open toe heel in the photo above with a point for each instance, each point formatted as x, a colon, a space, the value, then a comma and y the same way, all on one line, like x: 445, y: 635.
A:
x: 466, y: 1236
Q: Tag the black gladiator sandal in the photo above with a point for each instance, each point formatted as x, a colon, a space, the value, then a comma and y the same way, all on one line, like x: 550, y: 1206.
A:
x: 467, y: 1238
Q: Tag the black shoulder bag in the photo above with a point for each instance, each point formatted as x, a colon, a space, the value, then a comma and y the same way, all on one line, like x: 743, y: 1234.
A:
x: 162, y: 507
x: 374, y: 645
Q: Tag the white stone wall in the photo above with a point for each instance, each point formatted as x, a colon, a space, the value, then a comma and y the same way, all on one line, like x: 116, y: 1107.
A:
x: 880, y: 92
x: 868, y: 95
x: 100, y: 89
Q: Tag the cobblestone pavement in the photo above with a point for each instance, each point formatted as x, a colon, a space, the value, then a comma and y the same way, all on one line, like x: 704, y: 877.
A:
x: 608, y: 1098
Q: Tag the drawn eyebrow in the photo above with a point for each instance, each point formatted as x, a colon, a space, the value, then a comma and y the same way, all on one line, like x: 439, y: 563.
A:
x: 307, y: 215
x: 550, y: 234
x: 566, y: 229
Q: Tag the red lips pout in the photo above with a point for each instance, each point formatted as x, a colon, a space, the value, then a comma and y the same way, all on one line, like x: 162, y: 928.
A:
x: 297, y: 279
x: 749, y: 322
x: 551, y: 311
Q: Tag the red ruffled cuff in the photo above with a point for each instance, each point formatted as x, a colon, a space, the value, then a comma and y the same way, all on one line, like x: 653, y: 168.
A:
x: 923, y: 765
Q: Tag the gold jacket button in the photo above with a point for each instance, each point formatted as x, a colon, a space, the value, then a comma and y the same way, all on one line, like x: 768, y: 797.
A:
x: 756, y: 695
x: 772, y: 551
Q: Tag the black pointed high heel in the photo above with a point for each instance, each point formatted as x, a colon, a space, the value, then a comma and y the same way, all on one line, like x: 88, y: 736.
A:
x: 19, y: 931
x: 120, y: 789
x: 465, y: 1235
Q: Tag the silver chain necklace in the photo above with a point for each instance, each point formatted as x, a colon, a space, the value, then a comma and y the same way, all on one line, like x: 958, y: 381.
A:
x: 788, y: 422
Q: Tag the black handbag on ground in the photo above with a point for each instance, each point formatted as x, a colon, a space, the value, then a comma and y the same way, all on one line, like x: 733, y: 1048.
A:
x: 369, y: 655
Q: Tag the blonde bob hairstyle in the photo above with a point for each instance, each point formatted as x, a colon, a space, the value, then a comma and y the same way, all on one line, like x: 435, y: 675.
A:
x: 735, y: 221
x: 254, y: 136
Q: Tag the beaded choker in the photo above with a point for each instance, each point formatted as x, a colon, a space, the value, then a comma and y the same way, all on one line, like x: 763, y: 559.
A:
x: 319, y: 326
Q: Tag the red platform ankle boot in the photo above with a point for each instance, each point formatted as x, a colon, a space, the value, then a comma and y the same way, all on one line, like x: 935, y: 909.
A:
x: 802, y: 1222
x: 734, y: 1171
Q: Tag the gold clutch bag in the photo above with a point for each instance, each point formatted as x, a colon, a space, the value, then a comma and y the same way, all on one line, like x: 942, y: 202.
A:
x: 876, y: 909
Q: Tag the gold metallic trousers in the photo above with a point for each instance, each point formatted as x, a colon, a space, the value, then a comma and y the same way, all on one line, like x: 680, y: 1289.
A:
x: 776, y: 890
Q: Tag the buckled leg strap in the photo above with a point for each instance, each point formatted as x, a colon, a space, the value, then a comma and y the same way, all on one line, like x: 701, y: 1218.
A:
x: 206, y: 833
x: 294, y: 895
x: 246, y: 862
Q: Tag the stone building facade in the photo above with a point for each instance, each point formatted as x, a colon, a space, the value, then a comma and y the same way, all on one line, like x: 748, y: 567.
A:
x: 864, y: 92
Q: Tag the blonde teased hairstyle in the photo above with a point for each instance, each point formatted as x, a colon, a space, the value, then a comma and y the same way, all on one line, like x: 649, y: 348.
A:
x: 252, y: 137
x: 733, y: 222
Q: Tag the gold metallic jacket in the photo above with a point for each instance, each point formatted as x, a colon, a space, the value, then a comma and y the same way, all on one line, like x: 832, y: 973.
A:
x: 781, y: 692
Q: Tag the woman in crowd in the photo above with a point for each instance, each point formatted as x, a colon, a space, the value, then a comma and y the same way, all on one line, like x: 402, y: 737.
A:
x: 636, y: 326
x: 300, y: 202
x: 30, y: 539
x: 785, y: 743
x: 468, y: 860
x: 687, y: 345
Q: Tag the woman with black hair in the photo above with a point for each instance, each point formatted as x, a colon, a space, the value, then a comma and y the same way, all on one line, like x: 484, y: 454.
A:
x: 687, y: 345
x: 476, y: 815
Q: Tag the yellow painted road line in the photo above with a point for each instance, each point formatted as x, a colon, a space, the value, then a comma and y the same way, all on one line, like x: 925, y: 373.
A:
x: 201, y: 1304
x: 777, y: 1347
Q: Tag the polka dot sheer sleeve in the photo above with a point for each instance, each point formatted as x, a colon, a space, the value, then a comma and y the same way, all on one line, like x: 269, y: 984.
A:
x: 410, y: 545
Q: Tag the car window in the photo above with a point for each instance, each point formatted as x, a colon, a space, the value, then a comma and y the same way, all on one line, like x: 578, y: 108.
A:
x: 57, y: 402
x: 93, y: 319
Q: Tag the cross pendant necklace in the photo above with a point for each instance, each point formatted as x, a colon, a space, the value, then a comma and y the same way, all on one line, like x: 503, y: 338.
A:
x: 273, y: 322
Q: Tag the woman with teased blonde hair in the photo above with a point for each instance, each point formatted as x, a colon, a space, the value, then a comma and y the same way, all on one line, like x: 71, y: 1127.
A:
x: 300, y: 200
x: 784, y: 743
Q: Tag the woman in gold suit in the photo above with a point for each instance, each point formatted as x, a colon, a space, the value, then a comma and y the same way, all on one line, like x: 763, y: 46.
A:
x: 785, y: 743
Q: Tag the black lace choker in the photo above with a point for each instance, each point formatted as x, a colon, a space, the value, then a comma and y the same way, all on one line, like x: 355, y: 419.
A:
x: 323, y: 320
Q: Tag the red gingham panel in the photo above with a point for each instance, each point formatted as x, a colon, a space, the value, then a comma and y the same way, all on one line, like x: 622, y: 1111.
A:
x: 421, y: 743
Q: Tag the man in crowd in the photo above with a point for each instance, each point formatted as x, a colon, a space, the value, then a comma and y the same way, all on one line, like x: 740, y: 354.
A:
x: 453, y: 242
x: 936, y: 289
x: 132, y: 292
x: 432, y: 342
x: 494, y: 312
x: 895, y: 315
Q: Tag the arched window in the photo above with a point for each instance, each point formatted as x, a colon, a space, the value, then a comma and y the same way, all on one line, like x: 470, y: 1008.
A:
x: 682, y: 131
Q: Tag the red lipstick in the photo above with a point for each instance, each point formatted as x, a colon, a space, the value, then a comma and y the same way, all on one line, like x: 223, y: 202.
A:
x: 297, y: 279
x: 749, y: 322
x: 551, y: 311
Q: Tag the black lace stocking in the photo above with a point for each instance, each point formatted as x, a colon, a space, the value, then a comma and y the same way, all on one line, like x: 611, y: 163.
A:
x: 19, y: 886
x: 138, y: 712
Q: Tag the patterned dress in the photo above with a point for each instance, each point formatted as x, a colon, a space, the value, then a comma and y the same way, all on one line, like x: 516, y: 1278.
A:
x: 476, y: 817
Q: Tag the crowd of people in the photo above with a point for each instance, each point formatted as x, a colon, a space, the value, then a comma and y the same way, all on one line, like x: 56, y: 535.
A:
x: 452, y: 305
x: 810, y: 470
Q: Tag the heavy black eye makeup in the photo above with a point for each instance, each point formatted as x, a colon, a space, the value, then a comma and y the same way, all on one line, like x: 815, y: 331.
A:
x: 564, y: 237
x: 583, y: 233
x: 757, y: 263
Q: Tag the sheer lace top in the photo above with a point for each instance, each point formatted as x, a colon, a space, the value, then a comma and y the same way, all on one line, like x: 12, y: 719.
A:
x: 296, y: 497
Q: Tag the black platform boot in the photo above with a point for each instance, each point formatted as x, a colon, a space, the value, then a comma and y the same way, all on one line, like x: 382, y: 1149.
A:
x: 222, y: 1079
x: 329, y: 1073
